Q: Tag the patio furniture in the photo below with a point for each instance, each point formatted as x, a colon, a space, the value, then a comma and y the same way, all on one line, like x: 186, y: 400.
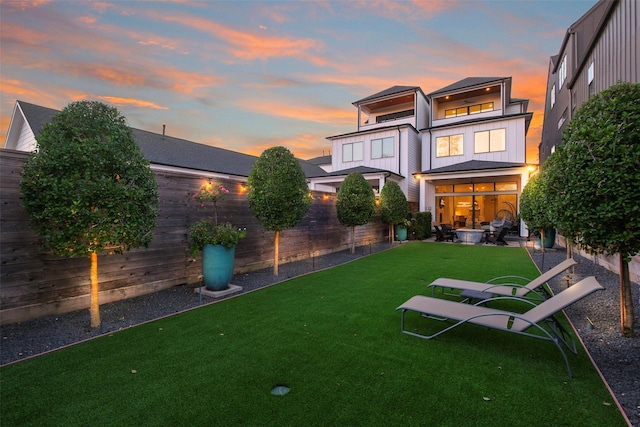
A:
x: 498, y: 236
x: 448, y: 232
x: 541, y: 318
x: 506, y: 289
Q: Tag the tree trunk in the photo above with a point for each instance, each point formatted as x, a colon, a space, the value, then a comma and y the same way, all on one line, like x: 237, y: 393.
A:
x: 94, y: 308
x: 353, y: 240
x: 277, y: 254
x: 626, y: 299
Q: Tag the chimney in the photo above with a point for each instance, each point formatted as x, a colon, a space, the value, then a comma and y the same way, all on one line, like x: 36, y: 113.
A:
x: 163, y: 129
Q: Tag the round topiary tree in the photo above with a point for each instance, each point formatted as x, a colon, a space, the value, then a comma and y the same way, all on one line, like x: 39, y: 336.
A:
x: 89, y: 189
x: 534, y: 205
x: 394, y: 208
x: 278, y: 193
x: 593, y: 182
x: 356, y: 204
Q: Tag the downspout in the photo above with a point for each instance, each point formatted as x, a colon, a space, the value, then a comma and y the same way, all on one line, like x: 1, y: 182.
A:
x: 399, y: 150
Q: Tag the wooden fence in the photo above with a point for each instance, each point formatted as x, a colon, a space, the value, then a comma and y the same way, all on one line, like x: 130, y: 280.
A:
x: 34, y: 283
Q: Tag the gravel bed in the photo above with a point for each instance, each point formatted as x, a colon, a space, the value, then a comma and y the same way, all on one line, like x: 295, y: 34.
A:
x: 596, y: 317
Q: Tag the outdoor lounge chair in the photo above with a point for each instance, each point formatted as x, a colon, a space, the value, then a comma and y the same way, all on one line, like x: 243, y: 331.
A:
x: 476, y: 289
x: 539, y: 317
x: 498, y: 236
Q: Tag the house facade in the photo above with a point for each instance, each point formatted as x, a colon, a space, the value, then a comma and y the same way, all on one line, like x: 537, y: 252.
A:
x: 459, y: 152
x: 598, y: 50
x: 386, y: 144
x: 474, y: 153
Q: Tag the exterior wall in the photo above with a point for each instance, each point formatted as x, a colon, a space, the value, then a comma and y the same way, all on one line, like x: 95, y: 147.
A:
x: 413, y: 147
x: 392, y: 164
x: 515, y: 146
x: 614, y: 56
x: 34, y: 283
x: 26, y: 140
x: 423, y: 112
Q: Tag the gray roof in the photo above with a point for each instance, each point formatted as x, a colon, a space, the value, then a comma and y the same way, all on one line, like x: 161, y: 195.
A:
x: 468, y: 82
x: 387, y: 92
x: 473, y: 165
x: 170, y: 151
x: 320, y: 160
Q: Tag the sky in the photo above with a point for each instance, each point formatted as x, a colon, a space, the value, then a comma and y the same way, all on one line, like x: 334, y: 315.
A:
x: 250, y: 75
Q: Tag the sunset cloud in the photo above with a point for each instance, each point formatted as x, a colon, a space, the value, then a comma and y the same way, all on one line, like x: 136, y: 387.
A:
x: 250, y: 75
x: 138, y: 103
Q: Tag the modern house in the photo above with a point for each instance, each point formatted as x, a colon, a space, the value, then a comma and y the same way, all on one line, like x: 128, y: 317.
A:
x: 598, y: 50
x: 386, y: 144
x: 459, y: 152
x: 474, y: 152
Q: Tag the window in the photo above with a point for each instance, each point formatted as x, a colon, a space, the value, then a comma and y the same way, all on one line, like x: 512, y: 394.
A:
x: 563, y: 119
x: 490, y: 140
x: 352, y: 152
x: 562, y: 74
x: 382, y: 147
x: 472, y: 109
x: 449, y: 145
x: 590, y: 79
x: 552, y: 96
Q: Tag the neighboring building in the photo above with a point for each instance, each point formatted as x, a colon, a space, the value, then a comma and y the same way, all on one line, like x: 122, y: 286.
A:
x: 165, y: 153
x: 323, y: 161
x: 598, y: 50
x: 474, y: 153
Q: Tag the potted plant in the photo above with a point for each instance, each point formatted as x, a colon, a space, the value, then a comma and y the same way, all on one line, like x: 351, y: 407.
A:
x: 394, y: 210
x: 216, y: 241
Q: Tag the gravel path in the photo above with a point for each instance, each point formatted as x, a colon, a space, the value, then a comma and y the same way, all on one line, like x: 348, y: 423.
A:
x: 596, y: 318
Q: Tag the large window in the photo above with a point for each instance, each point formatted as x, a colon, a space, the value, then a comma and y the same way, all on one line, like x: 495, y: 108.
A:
x: 489, y: 141
x: 382, y: 147
x: 552, y: 96
x: 352, y: 152
x: 451, y: 145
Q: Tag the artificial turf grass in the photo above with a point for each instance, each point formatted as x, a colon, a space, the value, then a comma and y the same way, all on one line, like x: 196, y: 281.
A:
x: 334, y: 338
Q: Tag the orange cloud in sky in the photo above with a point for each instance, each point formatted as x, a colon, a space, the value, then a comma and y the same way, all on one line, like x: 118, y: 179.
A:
x: 298, y: 111
x: 249, y: 46
x: 132, y: 102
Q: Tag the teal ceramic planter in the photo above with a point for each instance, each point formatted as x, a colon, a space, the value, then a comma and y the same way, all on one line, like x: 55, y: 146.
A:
x: 401, y: 233
x: 217, y: 266
x: 549, y: 238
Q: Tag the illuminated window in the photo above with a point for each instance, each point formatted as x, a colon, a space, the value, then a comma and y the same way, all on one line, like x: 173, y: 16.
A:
x: 449, y: 145
x: 472, y: 109
x: 489, y: 141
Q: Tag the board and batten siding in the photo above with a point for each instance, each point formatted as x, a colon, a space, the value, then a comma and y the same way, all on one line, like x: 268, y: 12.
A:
x: 34, y: 283
x: 515, y: 148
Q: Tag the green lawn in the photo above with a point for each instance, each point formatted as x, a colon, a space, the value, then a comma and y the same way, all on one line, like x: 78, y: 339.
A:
x: 334, y: 338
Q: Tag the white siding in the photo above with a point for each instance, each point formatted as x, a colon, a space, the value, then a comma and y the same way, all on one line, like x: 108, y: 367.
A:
x: 26, y: 141
x: 515, y: 143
